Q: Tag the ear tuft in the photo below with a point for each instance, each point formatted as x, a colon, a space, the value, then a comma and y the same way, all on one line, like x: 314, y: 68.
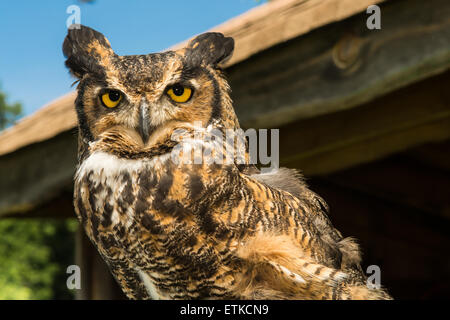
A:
x: 84, y: 47
x: 211, y: 48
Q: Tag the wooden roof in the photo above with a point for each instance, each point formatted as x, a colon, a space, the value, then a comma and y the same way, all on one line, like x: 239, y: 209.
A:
x: 341, y: 95
x: 254, y: 31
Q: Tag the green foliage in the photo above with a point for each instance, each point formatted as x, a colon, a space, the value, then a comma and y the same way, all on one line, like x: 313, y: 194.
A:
x: 34, y: 255
x: 8, y: 112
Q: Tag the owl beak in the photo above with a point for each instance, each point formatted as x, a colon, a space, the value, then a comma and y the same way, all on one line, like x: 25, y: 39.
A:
x: 144, y: 122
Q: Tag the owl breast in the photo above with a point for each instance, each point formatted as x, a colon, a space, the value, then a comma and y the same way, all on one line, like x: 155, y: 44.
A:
x: 107, y: 188
x: 127, y: 210
x: 110, y: 197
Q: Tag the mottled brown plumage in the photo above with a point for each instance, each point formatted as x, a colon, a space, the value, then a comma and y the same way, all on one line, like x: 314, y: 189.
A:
x: 172, y: 230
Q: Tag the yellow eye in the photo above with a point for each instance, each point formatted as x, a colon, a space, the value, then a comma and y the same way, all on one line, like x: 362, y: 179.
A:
x: 178, y: 93
x: 111, y: 99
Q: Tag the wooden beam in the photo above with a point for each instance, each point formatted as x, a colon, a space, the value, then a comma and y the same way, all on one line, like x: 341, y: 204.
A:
x: 404, y: 119
x: 343, y: 65
x: 276, y: 22
x: 49, y: 121
x: 37, y: 174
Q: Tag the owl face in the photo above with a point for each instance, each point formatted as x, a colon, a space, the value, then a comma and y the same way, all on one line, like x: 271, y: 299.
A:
x: 140, y: 94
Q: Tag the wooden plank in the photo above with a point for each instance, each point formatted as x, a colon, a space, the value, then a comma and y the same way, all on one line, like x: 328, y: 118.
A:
x: 343, y: 65
x: 404, y: 119
x: 49, y: 121
x: 279, y: 21
x: 38, y: 173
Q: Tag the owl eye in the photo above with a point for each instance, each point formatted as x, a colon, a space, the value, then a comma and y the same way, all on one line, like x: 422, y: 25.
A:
x: 179, y: 93
x: 111, y: 98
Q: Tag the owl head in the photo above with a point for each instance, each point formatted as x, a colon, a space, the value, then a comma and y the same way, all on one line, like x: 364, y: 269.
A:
x: 140, y: 94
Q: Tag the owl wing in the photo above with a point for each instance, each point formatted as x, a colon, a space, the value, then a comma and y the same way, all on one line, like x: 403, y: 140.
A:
x: 283, y: 188
x: 290, y: 180
x: 325, y: 267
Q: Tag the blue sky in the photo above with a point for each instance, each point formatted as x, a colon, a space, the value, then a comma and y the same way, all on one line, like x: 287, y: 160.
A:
x: 31, y: 62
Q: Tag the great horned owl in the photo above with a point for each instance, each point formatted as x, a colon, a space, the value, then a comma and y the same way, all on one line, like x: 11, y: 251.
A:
x: 172, y: 230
